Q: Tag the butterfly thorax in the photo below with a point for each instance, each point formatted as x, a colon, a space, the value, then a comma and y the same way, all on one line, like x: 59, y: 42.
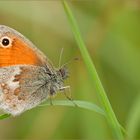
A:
x: 56, y: 80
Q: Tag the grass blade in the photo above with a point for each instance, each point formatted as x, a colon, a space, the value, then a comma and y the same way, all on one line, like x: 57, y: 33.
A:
x: 4, y: 116
x: 77, y: 103
x: 112, y: 120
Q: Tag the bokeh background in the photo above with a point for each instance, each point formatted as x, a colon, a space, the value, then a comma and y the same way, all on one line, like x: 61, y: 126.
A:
x: 111, y: 31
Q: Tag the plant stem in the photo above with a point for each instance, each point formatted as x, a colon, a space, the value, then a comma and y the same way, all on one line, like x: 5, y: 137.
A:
x: 78, y: 103
x: 4, y: 116
x: 110, y: 115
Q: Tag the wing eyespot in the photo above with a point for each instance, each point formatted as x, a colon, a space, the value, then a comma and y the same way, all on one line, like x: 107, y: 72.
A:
x: 5, y: 42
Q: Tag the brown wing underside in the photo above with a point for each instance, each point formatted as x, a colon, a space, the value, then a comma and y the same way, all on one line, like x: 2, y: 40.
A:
x: 22, y: 88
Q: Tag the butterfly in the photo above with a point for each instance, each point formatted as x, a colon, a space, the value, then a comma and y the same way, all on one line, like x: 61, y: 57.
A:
x: 27, y: 77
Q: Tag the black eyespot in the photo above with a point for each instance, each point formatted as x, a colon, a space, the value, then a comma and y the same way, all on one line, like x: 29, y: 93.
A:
x: 5, y: 42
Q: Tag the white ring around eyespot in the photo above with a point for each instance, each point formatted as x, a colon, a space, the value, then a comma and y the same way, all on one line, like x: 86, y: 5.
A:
x: 10, y: 42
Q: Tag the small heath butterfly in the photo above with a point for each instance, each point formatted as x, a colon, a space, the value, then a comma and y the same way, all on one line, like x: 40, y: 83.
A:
x: 27, y: 77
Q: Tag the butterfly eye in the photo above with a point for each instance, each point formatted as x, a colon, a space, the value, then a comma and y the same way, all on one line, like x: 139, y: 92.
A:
x: 5, y: 42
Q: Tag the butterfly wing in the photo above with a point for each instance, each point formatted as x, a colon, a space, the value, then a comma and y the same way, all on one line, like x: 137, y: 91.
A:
x: 24, y: 73
x: 21, y: 51
x: 22, y: 87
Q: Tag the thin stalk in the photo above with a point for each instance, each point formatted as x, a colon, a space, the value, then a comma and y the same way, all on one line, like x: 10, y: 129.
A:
x: 4, y: 116
x: 76, y: 103
x: 110, y: 115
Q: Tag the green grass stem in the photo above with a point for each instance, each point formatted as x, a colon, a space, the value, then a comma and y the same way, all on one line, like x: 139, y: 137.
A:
x: 4, y: 116
x: 110, y: 115
x: 77, y: 103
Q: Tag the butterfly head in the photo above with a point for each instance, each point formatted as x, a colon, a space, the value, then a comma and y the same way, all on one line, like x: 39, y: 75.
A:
x: 63, y: 72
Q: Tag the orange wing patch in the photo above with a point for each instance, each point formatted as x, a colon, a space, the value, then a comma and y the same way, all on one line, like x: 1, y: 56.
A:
x: 19, y: 53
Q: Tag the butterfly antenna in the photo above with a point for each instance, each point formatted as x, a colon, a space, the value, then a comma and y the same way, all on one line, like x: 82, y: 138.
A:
x: 60, y: 57
x: 68, y: 62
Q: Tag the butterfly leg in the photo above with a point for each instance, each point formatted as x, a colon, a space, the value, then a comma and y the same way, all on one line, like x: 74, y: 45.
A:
x: 51, y: 94
x: 50, y: 98
x: 68, y: 97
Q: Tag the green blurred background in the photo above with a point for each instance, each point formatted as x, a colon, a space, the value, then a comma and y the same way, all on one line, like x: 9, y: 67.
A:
x: 111, y: 31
